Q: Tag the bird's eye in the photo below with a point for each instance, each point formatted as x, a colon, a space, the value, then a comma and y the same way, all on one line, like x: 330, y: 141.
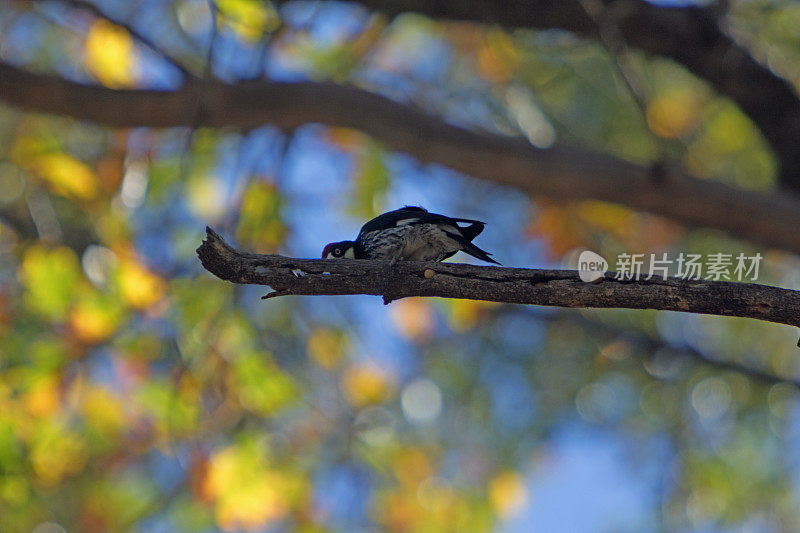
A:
x: 337, y: 251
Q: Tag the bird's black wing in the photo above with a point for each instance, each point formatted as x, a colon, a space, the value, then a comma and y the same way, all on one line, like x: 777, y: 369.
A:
x: 418, y: 215
x: 391, y: 219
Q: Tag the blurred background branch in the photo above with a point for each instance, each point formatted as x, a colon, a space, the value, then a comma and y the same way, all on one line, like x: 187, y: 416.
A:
x: 693, y: 36
x: 560, y: 172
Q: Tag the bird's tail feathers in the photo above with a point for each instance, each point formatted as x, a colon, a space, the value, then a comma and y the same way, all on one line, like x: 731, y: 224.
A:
x: 471, y: 249
x: 473, y: 230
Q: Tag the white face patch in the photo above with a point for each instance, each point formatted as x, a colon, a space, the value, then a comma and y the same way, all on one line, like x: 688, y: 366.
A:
x: 350, y: 253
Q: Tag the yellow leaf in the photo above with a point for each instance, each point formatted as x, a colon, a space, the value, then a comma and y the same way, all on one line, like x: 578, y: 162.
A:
x: 411, y: 466
x: 260, y: 385
x: 465, y: 313
x: 400, y: 512
x: 247, y: 494
x: 413, y: 318
x: 103, y: 410
x: 42, y: 399
x: 371, y: 177
x: 674, y: 114
x: 560, y: 226
x: 435, y: 494
x: 260, y: 224
x: 14, y: 489
x: 248, y: 18
x: 67, y: 176
x: 205, y: 198
x: 326, y: 347
x: 346, y: 139
x: 94, y: 319
x: 140, y: 287
x: 109, y: 54
x: 365, y: 384
x: 51, y: 279
x: 498, y: 57
x: 173, y: 412
x: 507, y: 493
x: 56, y: 453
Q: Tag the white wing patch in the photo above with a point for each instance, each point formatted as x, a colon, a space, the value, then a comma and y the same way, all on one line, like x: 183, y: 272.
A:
x: 406, y: 221
x: 451, y: 229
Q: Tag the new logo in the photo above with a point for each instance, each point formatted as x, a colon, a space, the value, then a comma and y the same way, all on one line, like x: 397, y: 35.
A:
x: 591, y: 266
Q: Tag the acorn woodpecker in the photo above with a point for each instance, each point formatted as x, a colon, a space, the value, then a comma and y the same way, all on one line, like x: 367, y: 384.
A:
x: 411, y: 233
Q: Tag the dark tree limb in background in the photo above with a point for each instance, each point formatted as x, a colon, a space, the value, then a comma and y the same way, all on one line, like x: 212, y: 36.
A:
x: 561, y: 288
x: 691, y: 36
x: 559, y: 172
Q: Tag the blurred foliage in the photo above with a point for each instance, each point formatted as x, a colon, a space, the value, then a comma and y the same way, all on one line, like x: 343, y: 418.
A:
x: 110, y: 54
x: 249, y: 19
x: 139, y: 393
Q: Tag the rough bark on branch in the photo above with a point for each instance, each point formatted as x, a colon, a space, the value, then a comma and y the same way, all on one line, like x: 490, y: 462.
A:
x: 689, y: 35
x: 559, y: 172
x: 561, y: 288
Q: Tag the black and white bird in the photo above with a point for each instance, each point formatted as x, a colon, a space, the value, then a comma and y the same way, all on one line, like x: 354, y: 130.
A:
x: 414, y: 234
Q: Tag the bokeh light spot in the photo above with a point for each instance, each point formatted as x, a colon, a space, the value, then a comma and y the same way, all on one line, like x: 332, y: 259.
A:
x: 422, y: 401
x: 508, y: 494
x: 413, y: 318
x: 711, y: 398
x: 365, y: 384
x: 110, y: 54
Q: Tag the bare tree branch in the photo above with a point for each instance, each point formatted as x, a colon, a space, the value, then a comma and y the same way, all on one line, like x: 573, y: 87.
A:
x: 561, y: 288
x: 559, y: 172
x: 689, y: 35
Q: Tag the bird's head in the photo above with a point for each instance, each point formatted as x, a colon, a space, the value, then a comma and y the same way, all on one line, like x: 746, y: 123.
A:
x: 338, y: 250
